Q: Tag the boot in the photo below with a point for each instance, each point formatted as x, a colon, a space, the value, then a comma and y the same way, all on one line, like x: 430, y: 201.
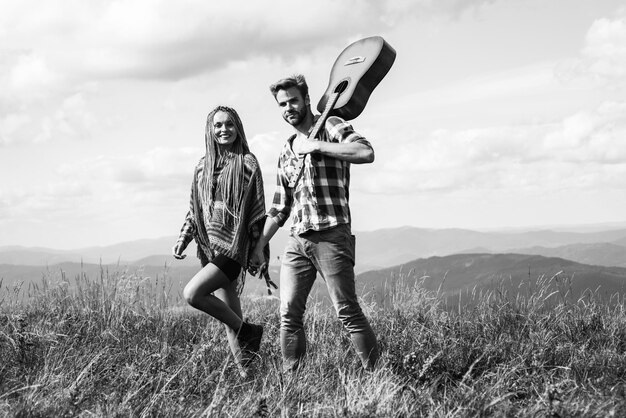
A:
x: 249, y: 337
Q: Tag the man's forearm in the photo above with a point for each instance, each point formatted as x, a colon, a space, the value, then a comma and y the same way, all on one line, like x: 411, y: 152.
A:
x: 269, y: 229
x: 352, y: 152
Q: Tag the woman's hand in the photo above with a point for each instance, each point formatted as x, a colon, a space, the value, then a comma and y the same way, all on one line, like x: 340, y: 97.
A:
x: 177, y: 251
x: 257, y: 261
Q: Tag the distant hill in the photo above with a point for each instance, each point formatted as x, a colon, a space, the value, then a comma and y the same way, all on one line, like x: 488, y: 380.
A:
x: 35, y: 256
x: 602, y: 254
x: 462, y: 272
x: 145, y: 251
x: 387, y: 247
x: 122, y: 253
x: 375, y: 249
x: 620, y: 241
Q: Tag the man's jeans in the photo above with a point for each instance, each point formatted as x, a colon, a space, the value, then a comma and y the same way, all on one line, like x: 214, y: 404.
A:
x: 331, y: 253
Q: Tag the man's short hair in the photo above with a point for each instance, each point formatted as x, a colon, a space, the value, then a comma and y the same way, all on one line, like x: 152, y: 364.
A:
x: 296, y: 80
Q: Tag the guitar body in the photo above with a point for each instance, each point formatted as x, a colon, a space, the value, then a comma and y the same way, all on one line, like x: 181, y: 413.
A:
x: 357, y: 71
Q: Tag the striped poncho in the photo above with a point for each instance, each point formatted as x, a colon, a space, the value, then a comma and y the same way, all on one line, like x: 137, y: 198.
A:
x: 217, y: 229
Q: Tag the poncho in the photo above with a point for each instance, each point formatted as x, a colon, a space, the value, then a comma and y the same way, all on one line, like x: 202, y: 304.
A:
x: 224, y: 231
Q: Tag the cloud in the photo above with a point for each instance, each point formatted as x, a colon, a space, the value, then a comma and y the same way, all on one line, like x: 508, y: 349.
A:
x: 590, y: 136
x: 10, y: 125
x: 167, y: 40
x: 515, y: 82
x: 46, y: 202
x: 29, y: 76
x: 59, y: 48
x: 160, y: 170
x: 605, y: 47
x: 583, y: 150
x: 106, y: 187
x: 266, y: 148
x: 68, y: 119
x: 603, y: 53
x: 173, y: 40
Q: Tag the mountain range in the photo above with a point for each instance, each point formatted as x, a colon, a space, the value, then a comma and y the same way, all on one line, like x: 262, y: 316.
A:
x: 467, y: 258
x: 375, y: 249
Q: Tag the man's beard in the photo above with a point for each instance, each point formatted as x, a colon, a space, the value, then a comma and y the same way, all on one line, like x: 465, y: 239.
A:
x: 299, y: 117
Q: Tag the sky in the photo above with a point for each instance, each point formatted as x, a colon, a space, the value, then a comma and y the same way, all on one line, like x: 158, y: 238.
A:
x: 495, y: 114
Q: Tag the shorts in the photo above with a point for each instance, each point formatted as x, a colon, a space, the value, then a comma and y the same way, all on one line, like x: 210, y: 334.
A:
x: 228, y: 266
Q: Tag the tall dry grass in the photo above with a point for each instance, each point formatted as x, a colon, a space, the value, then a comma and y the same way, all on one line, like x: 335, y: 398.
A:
x: 116, y: 345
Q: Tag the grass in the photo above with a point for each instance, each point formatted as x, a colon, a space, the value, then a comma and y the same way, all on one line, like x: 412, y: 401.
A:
x: 120, y: 345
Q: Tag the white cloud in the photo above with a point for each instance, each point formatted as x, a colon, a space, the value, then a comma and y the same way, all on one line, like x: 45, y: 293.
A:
x: 57, y: 48
x: 605, y: 47
x: 104, y: 187
x: 591, y: 136
x: 162, y: 39
x: 149, y: 178
x: 266, y: 148
x: 584, y: 150
x: 10, y: 125
x: 603, y: 53
x: 519, y: 81
x: 67, y: 119
x: 71, y: 120
x: 29, y: 77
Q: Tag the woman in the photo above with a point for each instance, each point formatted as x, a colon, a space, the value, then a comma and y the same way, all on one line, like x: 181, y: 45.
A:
x: 225, y: 218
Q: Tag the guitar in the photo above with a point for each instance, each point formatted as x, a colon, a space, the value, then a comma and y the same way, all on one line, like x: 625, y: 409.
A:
x: 357, y: 71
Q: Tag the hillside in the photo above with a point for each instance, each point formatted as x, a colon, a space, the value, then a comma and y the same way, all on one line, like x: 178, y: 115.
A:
x: 462, y: 272
x: 107, y: 350
x: 601, y: 254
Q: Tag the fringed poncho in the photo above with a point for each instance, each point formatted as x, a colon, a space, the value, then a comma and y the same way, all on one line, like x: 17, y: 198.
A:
x: 217, y: 229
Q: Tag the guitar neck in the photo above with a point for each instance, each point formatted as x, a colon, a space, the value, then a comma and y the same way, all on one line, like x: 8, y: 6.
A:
x: 322, y: 119
x: 314, y: 133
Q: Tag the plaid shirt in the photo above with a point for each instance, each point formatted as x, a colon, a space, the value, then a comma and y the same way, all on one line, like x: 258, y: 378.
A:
x: 320, y: 199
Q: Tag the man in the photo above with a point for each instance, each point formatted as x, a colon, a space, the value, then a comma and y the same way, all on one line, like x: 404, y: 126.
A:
x: 321, y: 240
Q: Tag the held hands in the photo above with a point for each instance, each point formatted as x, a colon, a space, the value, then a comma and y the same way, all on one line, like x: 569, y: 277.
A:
x: 259, y: 265
x: 264, y: 272
x: 177, y: 251
x: 257, y: 261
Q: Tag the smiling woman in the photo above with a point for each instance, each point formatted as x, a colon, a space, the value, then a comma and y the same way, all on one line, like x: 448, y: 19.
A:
x: 224, y: 128
x: 226, y: 214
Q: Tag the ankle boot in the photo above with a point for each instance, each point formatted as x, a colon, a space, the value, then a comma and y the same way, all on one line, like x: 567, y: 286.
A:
x: 249, y: 337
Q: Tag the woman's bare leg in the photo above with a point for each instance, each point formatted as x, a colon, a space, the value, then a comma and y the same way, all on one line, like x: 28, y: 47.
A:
x: 198, y: 293
x: 229, y: 296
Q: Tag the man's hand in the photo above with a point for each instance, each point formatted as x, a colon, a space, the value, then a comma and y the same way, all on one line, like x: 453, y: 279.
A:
x: 268, y: 280
x: 257, y: 261
x: 177, y: 251
x: 303, y: 146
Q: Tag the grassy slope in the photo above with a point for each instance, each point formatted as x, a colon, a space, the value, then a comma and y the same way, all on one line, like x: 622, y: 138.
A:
x: 114, y: 346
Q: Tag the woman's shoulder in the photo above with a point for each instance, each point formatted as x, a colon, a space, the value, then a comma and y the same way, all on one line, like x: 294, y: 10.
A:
x: 250, y: 161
